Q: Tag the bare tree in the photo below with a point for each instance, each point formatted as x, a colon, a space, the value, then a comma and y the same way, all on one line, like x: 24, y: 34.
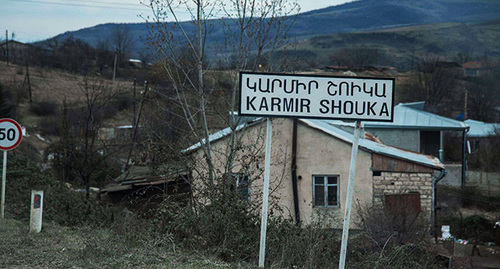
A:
x: 355, y: 58
x: 79, y: 152
x: 483, y: 97
x: 251, y: 29
x: 122, y: 41
x: 436, y: 84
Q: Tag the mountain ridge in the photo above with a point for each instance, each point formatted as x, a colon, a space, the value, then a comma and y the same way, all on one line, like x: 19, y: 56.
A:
x: 357, y: 16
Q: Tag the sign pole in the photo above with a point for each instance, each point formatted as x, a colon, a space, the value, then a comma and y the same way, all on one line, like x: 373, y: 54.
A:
x: 265, y: 195
x: 348, y: 200
x: 4, y: 175
x: 10, y: 137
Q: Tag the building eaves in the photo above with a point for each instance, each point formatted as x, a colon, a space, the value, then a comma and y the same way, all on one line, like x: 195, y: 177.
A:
x: 373, y: 146
x: 221, y: 134
x: 336, y: 132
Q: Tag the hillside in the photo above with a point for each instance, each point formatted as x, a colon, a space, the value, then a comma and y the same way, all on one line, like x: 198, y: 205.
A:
x: 401, y: 47
x: 51, y: 87
x: 358, y: 16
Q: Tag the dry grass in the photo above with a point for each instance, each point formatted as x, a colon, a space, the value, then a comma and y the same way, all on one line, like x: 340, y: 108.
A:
x: 62, y: 247
x: 49, y: 84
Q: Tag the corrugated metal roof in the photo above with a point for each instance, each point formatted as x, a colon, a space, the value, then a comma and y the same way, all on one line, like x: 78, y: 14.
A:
x: 407, y: 116
x: 222, y: 133
x: 374, y: 146
x: 336, y: 132
x: 482, y: 129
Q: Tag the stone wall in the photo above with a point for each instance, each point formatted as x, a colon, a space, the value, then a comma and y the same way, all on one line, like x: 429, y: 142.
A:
x: 399, y: 183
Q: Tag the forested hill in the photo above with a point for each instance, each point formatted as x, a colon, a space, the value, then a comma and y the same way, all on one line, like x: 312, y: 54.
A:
x: 358, y: 16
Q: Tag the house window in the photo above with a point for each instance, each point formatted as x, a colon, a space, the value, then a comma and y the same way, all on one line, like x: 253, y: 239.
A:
x: 242, y: 186
x: 326, y: 191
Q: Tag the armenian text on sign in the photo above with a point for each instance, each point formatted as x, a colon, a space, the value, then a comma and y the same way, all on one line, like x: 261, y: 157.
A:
x: 321, y: 97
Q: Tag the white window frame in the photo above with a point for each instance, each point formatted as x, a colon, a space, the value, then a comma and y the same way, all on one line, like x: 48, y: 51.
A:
x: 325, y: 192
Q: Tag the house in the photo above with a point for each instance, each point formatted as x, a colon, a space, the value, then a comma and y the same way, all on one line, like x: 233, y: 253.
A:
x: 483, y: 143
x: 481, y: 134
x: 15, y: 51
x: 413, y: 129
x: 313, y: 157
x: 477, y: 68
x: 420, y: 131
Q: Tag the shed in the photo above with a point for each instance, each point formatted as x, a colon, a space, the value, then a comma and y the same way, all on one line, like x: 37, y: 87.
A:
x: 142, y: 187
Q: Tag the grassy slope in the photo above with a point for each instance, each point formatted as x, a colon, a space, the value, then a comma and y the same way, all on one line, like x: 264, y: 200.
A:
x: 50, y: 85
x: 62, y: 247
x: 396, y: 46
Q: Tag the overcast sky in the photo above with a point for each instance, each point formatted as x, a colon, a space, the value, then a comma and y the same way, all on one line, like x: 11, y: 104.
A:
x: 33, y: 20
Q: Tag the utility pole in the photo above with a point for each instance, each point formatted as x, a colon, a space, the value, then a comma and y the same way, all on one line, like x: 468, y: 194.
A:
x: 29, y: 84
x: 136, y: 125
x: 7, y: 44
x: 135, y: 101
x: 465, y: 103
x: 114, y: 67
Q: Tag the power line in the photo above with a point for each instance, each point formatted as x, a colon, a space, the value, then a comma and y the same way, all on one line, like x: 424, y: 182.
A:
x: 82, y: 5
x: 106, y: 3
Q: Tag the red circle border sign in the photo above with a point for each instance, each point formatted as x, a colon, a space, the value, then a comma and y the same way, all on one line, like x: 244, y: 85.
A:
x: 20, y: 134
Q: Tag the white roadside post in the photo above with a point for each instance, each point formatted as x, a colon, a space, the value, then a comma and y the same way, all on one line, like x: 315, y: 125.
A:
x: 348, y: 199
x: 36, y: 211
x: 265, y: 194
x: 10, y: 137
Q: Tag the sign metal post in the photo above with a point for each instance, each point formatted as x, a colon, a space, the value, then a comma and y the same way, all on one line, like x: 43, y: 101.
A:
x: 348, y: 199
x: 265, y: 195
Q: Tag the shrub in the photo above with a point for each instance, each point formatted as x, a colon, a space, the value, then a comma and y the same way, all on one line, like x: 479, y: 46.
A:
x: 44, y: 108
x: 62, y: 204
x: 473, y: 227
x: 49, y: 126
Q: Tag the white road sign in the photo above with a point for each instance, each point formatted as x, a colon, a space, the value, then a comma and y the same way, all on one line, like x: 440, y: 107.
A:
x: 10, y: 134
x: 318, y: 97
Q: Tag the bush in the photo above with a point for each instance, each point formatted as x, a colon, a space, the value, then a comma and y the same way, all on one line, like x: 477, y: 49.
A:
x: 44, y: 108
x: 471, y: 228
x: 49, y: 126
x: 62, y: 204
x: 230, y: 229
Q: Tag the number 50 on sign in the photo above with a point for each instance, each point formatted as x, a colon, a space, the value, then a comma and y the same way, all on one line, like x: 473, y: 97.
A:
x: 10, y: 134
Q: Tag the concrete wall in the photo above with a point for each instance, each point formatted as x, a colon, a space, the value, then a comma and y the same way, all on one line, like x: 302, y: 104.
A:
x: 487, y: 182
x: 406, y: 139
x: 249, y: 160
x: 321, y: 154
x: 453, y: 175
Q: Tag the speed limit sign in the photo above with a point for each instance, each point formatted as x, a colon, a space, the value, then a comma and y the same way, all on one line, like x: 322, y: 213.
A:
x: 10, y: 134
